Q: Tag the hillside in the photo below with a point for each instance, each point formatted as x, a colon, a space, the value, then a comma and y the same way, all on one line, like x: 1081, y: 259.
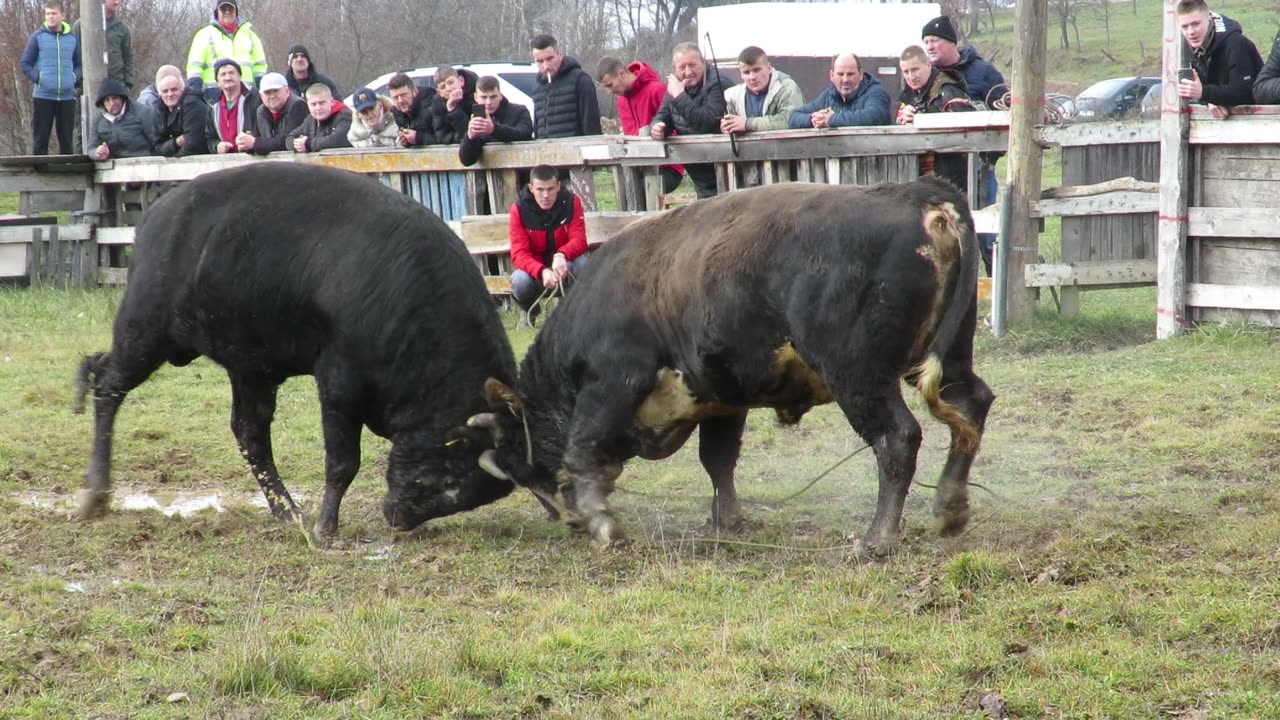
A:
x: 1134, y: 46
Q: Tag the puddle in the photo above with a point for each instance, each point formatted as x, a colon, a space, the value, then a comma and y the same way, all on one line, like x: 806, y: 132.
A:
x: 171, y: 503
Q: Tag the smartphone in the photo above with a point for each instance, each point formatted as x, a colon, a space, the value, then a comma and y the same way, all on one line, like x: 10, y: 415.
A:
x: 477, y: 110
x: 1185, y: 73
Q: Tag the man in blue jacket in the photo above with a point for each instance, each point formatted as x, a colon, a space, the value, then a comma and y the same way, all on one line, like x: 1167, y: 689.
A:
x: 52, y: 61
x: 854, y: 98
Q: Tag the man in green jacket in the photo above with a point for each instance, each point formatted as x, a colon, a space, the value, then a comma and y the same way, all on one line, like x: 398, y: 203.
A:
x: 765, y: 98
x: 119, y: 43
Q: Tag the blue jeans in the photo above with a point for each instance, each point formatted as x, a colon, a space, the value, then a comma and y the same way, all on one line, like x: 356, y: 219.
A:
x: 526, y: 289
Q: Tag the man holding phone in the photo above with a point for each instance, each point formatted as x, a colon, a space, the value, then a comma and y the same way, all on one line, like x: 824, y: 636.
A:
x: 493, y: 117
x: 1224, y: 62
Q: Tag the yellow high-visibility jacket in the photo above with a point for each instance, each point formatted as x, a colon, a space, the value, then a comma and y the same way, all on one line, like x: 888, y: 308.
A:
x: 212, y: 43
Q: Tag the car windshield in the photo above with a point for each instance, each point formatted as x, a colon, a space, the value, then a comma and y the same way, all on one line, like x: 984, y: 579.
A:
x: 1104, y: 89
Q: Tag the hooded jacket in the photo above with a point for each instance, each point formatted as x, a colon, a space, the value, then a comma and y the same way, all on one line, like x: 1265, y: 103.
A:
x: 51, y: 60
x: 270, y: 130
x: 781, y: 97
x: 324, y: 134
x: 566, y: 105
x: 449, y: 127
x: 638, y: 106
x: 511, y: 123
x: 251, y: 102
x: 213, y: 42
x: 697, y: 111
x: 980, y: 76
x: 132, y: 134
x: 187, y: 121
x: 419, y: 116
x: 298, y: 87
x: 1227, y: 63
x: 868, y: 105
x: 529, y: 227
x: 361, y: 135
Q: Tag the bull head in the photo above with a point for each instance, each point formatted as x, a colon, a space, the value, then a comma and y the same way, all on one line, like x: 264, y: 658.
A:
x: 500, y: 395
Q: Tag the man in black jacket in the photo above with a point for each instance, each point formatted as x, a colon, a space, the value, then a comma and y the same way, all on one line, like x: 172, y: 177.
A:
x: 281, y: 113
x: 302, y: 72
x: 1224, y: 61
x: 451, y: 107
x: 564, y: 99
x: 180, y: 115
x: 693, y: 105
x: 502, y: 120
x: 412, y: 111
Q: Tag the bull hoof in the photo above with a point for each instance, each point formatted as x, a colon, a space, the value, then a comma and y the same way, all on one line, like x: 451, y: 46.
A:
x: 873, y: 546
x: 604, y: 530
x: 94, y: 503
x: 952, y: 523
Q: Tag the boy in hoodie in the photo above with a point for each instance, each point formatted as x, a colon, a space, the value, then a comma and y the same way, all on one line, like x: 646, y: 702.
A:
x: 765, y: 98
x: 226, y: 36
x: 451, y: 107
x: 123, y: 129
x: 302, y: 72
x: 328, y: 125
x: 548, y: 233
x: 1224, y: 61
x: 855, y: 98
x: 639, y: 93
x: 373, y: 124
x: 51, y: 60
x: 564, y: 99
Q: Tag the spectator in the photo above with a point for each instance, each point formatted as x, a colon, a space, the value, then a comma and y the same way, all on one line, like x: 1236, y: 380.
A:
x: 764, y: 100
x: 548, y: 232
x: 855, y: 98
x: 927, y: 89
x: 372, y: 125
x: 564, y: 98
x: 412, y: 111
x: 122, y: 129
x: 1266, y: 89
x: 119, y: 43
x: 226, y: 36
x: 1223, y: 60
x: 693, y: 105
x: 981, y: 78
x: 451, y: 107
x: 51, y: 60
x: 497, y: 119
x: 639, y: 94
x: 233, y: 111
x: 180, y: 116
x: 302, y: 72
x: 150, y: 96
x: 280, y: 113
x: 328, y: 125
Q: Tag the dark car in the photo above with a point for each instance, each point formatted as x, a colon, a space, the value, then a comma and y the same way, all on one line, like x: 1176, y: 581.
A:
x: 1114, y: 98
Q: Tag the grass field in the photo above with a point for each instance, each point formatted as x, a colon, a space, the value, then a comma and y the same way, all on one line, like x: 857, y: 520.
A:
x: 1122, y: 562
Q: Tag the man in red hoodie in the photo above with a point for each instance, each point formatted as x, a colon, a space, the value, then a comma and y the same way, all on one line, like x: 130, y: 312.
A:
x: 639, y: 92
x: 548, y: 233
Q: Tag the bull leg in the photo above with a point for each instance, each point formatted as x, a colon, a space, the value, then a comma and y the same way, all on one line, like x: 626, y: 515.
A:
x: 888, y: 426
x: 719, y: 443
x: 253, y: 406
x: 963, y: 404
x: 112, y: 376
x: 341, y: 461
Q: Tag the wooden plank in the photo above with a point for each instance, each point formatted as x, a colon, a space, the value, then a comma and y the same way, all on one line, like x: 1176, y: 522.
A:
x: 112, y: 236
x: 1111, y: 203
x: 965, y: 120
x: 652, y: 191
x: 850, y: 142
x: 1239, y: 261
x: 1261, y: 130
x: 984, y: 288
x: 498, y: 284
x: 1139, y: 272
x: 1171, y: 228
x: 112, y: 275
x: 15, y: 260
x: 1234, y: 222
x: 53, y: 257
x: 43, y: 183
x: 1236, y: 297
x: 1092, y: 134
x: 22, y: 235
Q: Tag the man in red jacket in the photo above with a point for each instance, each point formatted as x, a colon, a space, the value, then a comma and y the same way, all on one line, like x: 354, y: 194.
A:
x: 548, y: 234
x: 639, y: 92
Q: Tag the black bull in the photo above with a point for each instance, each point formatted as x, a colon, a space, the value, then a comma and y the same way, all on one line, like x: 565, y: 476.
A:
x: 276, y: 270
x: 785, y: 297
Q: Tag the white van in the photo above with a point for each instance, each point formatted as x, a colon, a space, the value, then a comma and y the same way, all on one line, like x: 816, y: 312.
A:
x: 516, y: 79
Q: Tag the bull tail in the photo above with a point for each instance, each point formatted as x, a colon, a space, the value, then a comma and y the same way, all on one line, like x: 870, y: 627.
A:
x: 946, y: 222
x: 91, y: 367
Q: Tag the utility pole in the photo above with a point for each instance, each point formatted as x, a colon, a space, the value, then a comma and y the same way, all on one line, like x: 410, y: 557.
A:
x: 93, y: 62
x: 1025, y: 156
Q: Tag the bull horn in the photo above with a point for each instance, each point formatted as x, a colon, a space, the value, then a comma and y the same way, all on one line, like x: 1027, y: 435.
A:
x: 484, y: 420
x: 489, y: 464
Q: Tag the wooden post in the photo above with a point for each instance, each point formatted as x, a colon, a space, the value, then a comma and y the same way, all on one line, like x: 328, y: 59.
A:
x: 1171, y: 220
x: 93, y: 61
x: 1031, y: 20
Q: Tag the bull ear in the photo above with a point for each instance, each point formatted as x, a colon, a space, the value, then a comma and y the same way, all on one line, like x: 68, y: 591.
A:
x: 500, y: 396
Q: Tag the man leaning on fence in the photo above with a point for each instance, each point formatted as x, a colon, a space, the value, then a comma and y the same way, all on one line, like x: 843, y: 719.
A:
x: 233, y: 111
x: 639, y: 94
x: 280, y: 113
x: 372, y: 125
x: 502, y: 120
x: 548, y: 233
x: 412, y: 111
x: 121, y: 128
x: 693, y: 105
x: 1223, y: 61
x: 180, y: 115
x: 326, y: 127
x: 855, y: 98
x: 927, y: 89
x: 765, y: 98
